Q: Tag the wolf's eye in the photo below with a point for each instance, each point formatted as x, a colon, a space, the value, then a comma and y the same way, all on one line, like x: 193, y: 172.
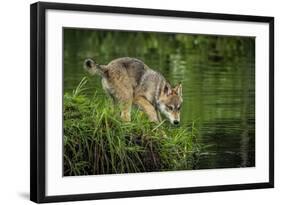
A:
x: 169, y: 107
x: 179, y: 107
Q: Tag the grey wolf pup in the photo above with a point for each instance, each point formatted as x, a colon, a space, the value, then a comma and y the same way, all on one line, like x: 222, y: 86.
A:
x: 129, y: 81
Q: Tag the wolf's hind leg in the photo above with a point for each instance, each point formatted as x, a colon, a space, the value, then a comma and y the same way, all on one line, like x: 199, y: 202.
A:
x: 121, y: 92
x: 124, y: 97
x: 126, y: 111
x: 147, y: 107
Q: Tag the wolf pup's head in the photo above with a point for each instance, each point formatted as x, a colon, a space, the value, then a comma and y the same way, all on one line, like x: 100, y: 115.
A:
x: 170, y: 101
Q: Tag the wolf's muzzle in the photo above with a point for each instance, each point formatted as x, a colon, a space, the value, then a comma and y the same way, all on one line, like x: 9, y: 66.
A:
x: 176, y: 122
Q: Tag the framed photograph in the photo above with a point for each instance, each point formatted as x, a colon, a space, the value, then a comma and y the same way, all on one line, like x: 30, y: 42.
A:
x: 129, y: 102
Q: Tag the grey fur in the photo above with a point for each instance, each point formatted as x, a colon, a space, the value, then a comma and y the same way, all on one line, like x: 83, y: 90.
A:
x: 128, y: 80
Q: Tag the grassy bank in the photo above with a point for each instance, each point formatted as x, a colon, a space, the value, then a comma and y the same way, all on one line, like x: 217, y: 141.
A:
x: 96, y: 141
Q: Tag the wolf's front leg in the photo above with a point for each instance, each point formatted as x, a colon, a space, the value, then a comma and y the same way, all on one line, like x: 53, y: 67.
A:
x: 147, y: 107
x: 159, y: 116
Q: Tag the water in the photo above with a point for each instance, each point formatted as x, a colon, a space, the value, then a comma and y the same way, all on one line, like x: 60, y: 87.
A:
x: 217, y: 73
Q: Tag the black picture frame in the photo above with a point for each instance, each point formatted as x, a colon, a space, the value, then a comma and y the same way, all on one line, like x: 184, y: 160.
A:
x: 38, y: 103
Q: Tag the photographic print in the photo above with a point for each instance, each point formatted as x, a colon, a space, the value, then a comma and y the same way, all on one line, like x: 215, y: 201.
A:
x: 131, y: 102
x: 136, y: 101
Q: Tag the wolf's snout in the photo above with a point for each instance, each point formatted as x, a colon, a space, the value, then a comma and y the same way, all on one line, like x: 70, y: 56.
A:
x: 88, y: 63
x: 176, y: 122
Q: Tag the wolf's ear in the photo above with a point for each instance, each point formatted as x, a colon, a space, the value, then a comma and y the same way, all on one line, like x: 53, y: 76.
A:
x: 167, y: 90
x: 178, y: 89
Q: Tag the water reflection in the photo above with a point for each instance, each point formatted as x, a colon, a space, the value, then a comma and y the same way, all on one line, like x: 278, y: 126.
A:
x: 217, y: 73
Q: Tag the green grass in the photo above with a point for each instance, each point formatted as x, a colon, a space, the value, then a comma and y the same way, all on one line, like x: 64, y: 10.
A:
x: 96, y: 141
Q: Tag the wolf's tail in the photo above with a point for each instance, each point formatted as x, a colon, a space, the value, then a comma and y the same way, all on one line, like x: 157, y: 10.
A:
x: 92, y: 67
